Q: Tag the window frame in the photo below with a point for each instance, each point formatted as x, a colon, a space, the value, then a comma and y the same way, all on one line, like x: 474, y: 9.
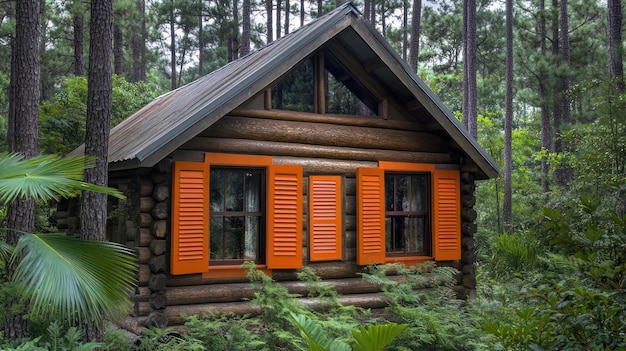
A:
x: 426, y: 214
x: 283, y: 245
x: 260, y: 215
x: 445, y: 213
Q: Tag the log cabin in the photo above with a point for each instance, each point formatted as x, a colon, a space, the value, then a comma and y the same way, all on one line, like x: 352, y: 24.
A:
x: 322, y: 149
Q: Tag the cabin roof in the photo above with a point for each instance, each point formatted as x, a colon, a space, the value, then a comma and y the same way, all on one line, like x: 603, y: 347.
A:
x: 172, y: 119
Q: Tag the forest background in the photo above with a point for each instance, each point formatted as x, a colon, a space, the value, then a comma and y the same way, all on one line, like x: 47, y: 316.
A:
x: 540, y: 85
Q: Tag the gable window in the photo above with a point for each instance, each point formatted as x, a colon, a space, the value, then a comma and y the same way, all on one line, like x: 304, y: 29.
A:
x: 407, y: 225
x: 234, y: 208
x: 236, y: 215
x: 408, y: 212
x: 322, y: 84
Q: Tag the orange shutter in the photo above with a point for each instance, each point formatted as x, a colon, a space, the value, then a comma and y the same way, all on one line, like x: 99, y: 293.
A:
x: 325, y: 218
x: 284, y: 217
x: 190, y: 218
x: 447, y: 215
x: 370, y: 215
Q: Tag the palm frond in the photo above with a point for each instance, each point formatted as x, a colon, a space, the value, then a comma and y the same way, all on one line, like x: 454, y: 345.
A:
x: 6, y: 251
x: 376, y: 337
x: 45, y: 177
x: 69, y: 278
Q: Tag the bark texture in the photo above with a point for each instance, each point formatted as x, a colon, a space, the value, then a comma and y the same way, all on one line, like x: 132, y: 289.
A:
x: 23, y: 133
x: 93, y: 206
x: 508, y: 119
x: 414, y: 50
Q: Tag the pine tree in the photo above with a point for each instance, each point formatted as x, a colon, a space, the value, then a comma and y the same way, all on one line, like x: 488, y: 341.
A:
x: 245, y: 32
x: 78, y: 35
x: 94, y: 205
x: 23, y: 130
x: 507, y: 211
x: 416, y: 18
x: 469, y: 67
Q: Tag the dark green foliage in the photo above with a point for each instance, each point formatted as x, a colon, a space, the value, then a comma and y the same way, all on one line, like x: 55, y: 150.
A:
x: 226, y: 332
x: 425, y: 302
x: 54, y: 338
x: 62, y: 118
x: 573, y: 299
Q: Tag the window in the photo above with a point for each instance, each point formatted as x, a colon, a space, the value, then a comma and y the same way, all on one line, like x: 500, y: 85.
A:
x: 408, y: 212
x: 407, y: 217
x: 236, y: 215
x: 234, y: 208
x: 323, y: 85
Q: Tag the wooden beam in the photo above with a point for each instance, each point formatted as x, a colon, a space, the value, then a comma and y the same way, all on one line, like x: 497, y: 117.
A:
x: 347, y: 120
x: 373, y: 65
x: 414, y: 106
x: 260, y: 147
x: 320, y: 84
x: 326, y: 134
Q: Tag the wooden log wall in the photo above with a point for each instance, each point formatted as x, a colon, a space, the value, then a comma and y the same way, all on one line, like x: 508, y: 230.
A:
x: 152, y: 228
x: 335, y: 147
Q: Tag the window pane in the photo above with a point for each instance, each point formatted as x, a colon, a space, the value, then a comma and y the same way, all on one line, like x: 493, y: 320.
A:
x: 234, y: 191
x: 253, y: 191
x: 217, y: 196
x: 252, y: 238
x: 216, y: 234
x: 406, y: 203
x: 295, y: 91
x: 233, y: 238
x: 235, y: 214
x: 389, y: 192
x: 419, y: 201
x: 405, y: 234
x: 402, y: 193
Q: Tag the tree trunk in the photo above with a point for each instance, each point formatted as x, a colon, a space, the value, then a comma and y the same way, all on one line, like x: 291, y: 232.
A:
x: 269, y: 6
x: 79, y: 58
x: 465, y: 106
x: 93, y: 205
x: 287, y: 13
x: 366, y: 9
x: 616, y: 74
x: 545, y: 107
x: 471, y: 69
x: 301, y: 13
x: 563, y: 174
x: 615, y: 49
x: 118, y: 50
x: 507, y: 211
x: 405, y: 25
x: 320, y: 8
x: 279, y: 11
x: 138, y: 44
x: 23, y: 137
x: 556, y: 107
x: 172, y: 45
x: 383, y: 19
x: 235, y: 30
x: 201, y: 38
x: 144, y: 38
x: 245, y: 32
x: 416, y: 19
x: 469, y: 65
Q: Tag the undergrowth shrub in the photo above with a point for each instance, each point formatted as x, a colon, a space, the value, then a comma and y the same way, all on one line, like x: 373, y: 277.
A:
x: 574, y: 299
x: 422, y: 297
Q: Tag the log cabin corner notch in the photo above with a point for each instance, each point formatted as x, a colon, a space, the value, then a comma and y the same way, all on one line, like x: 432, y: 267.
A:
x: 321, y: 149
